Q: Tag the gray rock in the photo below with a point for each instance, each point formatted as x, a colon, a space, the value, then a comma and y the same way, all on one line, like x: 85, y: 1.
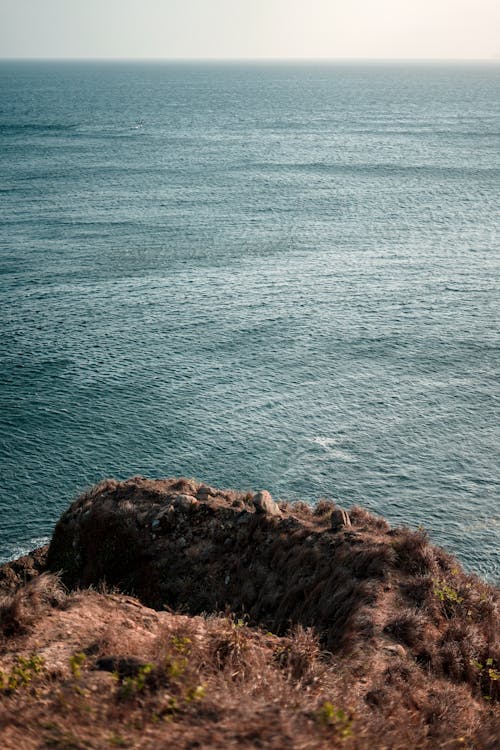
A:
x: 264, y: 503
x: 184, y: 502
x: 340, y: 519
x: 204, y: 492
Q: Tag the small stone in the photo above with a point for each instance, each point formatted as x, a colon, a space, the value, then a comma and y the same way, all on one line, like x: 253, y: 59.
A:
x: 395, y: 650
x: 184, y: 502
x: 340, y: 519
x: 155, y: 523
x: 264, y: 503
x: 204, y: 492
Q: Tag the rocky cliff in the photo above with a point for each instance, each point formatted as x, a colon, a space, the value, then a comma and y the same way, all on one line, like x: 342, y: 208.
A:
x: 170, y: 613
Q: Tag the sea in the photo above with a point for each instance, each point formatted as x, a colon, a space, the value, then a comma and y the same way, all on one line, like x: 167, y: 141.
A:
x: 261, y: 275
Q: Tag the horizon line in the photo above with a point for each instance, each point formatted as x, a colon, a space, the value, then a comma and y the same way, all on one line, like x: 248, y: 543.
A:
x: 495, y: 58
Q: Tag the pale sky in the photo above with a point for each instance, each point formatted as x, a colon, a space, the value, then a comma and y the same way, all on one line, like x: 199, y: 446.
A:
x: 449, y: 29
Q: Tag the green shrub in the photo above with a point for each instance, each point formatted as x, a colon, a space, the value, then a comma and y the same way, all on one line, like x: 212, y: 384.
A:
x: 331, y: 716
x: 76, y: 663
x: 21, y: 674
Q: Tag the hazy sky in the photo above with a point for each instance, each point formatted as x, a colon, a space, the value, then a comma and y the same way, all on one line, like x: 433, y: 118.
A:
x: 250, y: 28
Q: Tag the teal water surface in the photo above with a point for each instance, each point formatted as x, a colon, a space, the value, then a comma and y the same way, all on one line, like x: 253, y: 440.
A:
x: 280, y: 276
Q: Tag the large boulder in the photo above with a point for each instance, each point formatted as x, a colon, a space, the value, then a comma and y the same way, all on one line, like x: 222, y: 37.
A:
x: 264, y: 503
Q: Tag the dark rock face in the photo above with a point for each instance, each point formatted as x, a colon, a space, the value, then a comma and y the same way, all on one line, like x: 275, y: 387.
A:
x: 23, y: 570
x: 196, y: 549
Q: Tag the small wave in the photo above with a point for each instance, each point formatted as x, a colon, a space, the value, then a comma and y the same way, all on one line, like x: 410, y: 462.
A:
x: 35, y: 127
x: 18, y: 549
x: 328, y: 444
x: 464, y: 289
x: 482, y: 525
x: 325, y: 442
x: 379, y: 169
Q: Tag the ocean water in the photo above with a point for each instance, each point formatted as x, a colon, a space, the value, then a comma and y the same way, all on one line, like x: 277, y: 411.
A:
x: 259, y: 275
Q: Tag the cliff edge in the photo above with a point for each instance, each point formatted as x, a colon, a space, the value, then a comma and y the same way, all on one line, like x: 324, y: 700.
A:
x: 171, y: 613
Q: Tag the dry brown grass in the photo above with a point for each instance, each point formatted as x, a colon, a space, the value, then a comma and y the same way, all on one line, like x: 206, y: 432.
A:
x: 20, y: 609
x: 216, y: 682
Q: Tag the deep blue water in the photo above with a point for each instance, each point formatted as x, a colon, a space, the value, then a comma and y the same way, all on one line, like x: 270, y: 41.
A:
x: 280, y: 276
